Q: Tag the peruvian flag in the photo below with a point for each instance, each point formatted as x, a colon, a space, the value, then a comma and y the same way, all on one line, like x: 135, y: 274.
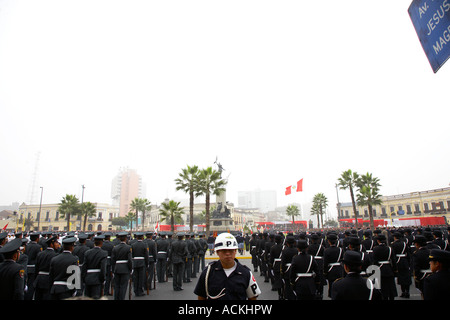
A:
x: 4, y: 228
x: 296, y: 188
x: 156, y: 227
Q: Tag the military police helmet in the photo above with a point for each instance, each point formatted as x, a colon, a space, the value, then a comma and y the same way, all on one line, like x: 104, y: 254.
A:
x: 225, y: 241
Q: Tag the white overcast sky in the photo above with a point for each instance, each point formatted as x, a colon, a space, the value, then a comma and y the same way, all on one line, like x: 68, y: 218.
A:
x: 277, y: 90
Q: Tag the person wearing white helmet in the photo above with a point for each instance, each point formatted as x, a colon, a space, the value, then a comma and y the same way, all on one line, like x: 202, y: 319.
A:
x: 226, y: 278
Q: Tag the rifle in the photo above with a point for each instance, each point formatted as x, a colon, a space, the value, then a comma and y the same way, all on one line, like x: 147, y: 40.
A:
x: 129, y: 286
x: 148, y: 285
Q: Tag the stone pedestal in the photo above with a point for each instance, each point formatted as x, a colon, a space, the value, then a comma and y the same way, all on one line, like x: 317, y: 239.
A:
x: 221, y: 220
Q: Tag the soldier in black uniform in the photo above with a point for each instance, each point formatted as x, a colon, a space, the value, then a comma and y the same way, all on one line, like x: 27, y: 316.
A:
x: 436, y: 285
x: 253, y: 244
x: 108, y: 247
x: 140, y: 262
x: 79, y: 250
x: 93, y: 271
x: 63, y: 284
x: 354, y: 244
x: 203, y: 249
x: 178, y: 255
x: 32, y: 249
x: 42, y: 269
x: 421, y: 267
x: 353, y: 286
x: 121, y: 265
x: 11, y: 273
x: 385, y: 258
x: 401, y: 250
x: 188, y: 265
x: 195, y: 259
x: 161, y: 257
x: 287, y: 254
x: 152, y: 253
x: 316, y: 249
x: 302, y: 273
x: 332, y: 257
x: 275, y: 262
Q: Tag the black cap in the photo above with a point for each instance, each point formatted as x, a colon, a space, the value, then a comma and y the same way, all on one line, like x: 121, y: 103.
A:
x: 11, y: 246
x: 352, y: 258
x: 420, y: 240
x: 51, y: 239
x: 3, y: 235
x: 302, y: 244
x: 69, y: 240
x: 440, y: 255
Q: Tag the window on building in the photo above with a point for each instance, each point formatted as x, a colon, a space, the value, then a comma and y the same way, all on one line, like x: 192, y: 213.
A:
x: 426, y: 208
x: 346, y: 213
x: 47, y: 216
x: 383, y: 211
x: 366, y: 214
x: 416, y: 208
x: 57, y: 216
x: 408, y: 209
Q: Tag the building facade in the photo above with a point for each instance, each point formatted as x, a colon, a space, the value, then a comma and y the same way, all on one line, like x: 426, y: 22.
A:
x: 420, y: 206
x: 126, y: 186
x: 27, y: 218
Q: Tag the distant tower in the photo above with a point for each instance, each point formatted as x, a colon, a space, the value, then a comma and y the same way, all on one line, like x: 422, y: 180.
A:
x: 32, y: 187
x: 126, y: 186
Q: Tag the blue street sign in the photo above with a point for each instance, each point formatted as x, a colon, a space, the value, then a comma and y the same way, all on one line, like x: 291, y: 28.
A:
x: 431, y: 19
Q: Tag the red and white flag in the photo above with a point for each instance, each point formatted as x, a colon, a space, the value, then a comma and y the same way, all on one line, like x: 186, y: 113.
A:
x: 296, y: 188
x: 156, y: 227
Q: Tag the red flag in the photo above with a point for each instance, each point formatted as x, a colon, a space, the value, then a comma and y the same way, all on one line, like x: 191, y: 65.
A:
x: 4, y: 228
x: 288, y: 190
x: 297, y: 188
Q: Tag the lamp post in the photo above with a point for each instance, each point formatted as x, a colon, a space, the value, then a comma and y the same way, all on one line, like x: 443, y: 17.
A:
x: 40, y: 208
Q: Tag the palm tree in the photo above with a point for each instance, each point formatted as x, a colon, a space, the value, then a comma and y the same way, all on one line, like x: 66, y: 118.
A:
x: 209, y: 182
x: 87, y: 210
x: 187, y: 182
x: 316, y: 211
x: 69, y: 206
x: 321, y: 203
x: 293, y: 211
x: 368, y: 194
x: 171, y: 210
x: 145, y: 206
x: 28, y: 223
x: 130, y: 217
x: 140, y: 205
x: 348, y: 180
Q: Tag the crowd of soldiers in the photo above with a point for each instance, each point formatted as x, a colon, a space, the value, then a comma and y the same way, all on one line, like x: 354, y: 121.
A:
x: 300, y: 265
x: 53, y: 266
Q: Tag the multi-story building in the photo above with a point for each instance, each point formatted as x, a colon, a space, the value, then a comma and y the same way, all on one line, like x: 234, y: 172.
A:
x: 50, y: 218
x: 423, y: 207
x: 126, y: 186
x: 265, y: 200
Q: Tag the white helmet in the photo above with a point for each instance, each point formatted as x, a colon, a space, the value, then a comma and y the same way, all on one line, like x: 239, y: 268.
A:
x: 225, y: 241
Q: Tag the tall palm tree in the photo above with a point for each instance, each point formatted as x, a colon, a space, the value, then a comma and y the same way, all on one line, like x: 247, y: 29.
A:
x: 187, y: 182
x: 69, y: 206
x: 209, y: 182
x: 130, y: 217
x: 87, y: 210
x: 368, y: 194
x: 140, y: 205
x: 315, y: 211
x: 292, y: 211
x: 348, y: 180
x: 171, y: 210
x: 321, y: 202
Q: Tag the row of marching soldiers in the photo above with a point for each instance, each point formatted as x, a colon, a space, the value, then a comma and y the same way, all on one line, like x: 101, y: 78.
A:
x: 299, y: 266
x: 44, y: 266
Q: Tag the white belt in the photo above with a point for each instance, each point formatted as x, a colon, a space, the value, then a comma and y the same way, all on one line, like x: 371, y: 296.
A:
x: 93, y: 270
x: 45, y: 273
x: 276, y: 260
x: 383, y: 262
x: 121, y: 261
x: 369, y: 251
x: 334, y: 264
x: 62, y: 283
x: 401, y: 255
x: 31, y: 265
x: 162, y: 252
x: 305, y: 274
x: 318, y: 257
x: 426, y: 271
x: 108, y: 257
x: 138, y: 258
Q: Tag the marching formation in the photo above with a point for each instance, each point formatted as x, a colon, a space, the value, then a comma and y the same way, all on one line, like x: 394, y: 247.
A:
x: 356, y: 264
